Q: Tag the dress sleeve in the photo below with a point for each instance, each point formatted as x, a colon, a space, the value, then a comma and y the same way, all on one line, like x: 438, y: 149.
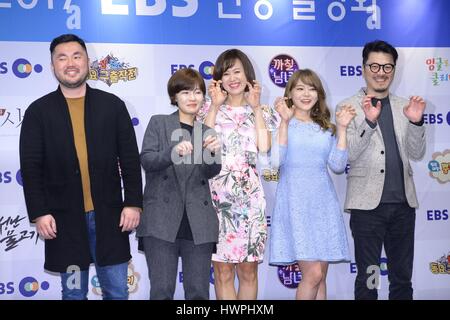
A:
x: 271, y: 117
x: 337, y: 158
x: 271, y: 161
x: 203, y: 112
x: 277, y: 156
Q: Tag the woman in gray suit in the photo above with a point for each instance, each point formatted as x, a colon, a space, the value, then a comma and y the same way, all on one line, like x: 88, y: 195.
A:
x: 179, y: 155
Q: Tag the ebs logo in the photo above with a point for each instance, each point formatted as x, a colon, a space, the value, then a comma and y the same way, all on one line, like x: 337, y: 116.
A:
x: 6, y: 288
x: 350, y: 71
x: 206, y: 69
x: 3, y: 67
x: 19, y: 178
x: 29, y: 286
x: 436, y: 118
x: 22, y: 68
x: 437, y: 215
x: 7, y: 177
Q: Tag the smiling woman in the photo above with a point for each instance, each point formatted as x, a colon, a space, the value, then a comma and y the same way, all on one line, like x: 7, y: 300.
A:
x: 178, y: 218
x: 237, y: 115
x: 307, y: 224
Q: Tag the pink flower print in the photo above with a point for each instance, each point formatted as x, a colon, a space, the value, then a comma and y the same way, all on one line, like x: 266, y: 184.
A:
x: 240, y: 118
x: 239, y: 251
x: 234, y: 166
x: 230, y: 237
x: 242, y: 233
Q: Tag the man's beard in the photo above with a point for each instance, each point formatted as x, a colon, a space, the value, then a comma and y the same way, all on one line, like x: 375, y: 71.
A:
x: 381, y: 90
x: 385, y: 88
x: 73, y: 85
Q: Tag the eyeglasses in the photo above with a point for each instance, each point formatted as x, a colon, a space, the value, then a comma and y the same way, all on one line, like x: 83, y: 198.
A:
x: 375, y: 67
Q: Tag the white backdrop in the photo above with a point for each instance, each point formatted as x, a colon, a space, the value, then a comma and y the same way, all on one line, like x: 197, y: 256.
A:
x: 422, y: 70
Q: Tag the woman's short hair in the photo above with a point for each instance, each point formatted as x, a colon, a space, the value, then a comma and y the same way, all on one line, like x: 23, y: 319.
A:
x: 184, y: 79
x: 227, y: 59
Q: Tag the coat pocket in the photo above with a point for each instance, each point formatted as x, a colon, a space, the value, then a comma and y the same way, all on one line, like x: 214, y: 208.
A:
x: 357, y: 172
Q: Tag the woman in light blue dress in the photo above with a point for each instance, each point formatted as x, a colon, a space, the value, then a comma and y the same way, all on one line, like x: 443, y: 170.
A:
x: 307, y: 223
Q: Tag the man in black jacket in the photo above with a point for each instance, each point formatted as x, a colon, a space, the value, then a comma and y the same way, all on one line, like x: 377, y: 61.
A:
x: 77, y: 145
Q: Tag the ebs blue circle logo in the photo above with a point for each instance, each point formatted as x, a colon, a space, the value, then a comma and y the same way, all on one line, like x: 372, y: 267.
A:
x: 22, y: 68
x: 29, y: 286
x: 19, y: 178
x: 206, y: 69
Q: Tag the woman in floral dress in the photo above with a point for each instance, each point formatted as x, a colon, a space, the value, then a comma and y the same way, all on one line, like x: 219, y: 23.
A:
x: 243, y: 125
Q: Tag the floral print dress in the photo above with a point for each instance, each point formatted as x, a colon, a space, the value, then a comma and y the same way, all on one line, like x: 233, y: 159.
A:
x: 236, y: 192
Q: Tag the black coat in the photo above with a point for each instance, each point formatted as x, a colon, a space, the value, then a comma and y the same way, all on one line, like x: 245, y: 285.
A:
x: 52, y: 180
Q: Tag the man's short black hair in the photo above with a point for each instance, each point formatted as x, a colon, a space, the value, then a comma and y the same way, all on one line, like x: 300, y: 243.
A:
x: 379, y: 46
x: 64, y: 38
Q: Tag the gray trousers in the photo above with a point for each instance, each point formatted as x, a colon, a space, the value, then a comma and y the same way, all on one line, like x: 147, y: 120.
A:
x: 162, y: 261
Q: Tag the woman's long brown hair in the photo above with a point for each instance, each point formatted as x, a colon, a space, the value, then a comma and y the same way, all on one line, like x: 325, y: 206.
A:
x: 320, y: 113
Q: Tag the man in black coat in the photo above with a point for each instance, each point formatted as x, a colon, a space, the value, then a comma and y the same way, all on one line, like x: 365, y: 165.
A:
x: 77, y: 145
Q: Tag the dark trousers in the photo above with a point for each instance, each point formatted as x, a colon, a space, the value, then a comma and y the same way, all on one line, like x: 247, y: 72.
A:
x: 162, y: 261
x: 393, y: 225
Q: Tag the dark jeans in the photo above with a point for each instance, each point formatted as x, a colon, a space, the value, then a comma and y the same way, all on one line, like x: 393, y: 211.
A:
x: 112, y: 279
x: 162, y: 261
x: 393, y: 225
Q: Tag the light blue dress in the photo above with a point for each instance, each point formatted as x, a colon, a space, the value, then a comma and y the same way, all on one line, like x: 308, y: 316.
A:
x: 307, y: 222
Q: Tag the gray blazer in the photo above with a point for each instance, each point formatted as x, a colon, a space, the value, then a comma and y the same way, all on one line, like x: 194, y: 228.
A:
x: 365, y: 180
x: 171, y: 185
